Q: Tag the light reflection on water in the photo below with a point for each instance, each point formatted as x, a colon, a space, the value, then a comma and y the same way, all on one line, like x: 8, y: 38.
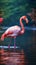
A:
x: 6, y: 47
x: 16, y: 57
x: 26, y: 27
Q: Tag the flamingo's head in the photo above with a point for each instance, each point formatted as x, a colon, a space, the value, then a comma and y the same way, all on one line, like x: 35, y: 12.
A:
x: 2, y: 37
x: 26, y: 19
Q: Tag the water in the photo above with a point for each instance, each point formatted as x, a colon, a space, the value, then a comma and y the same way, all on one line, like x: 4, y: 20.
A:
x: 27, y: 42
x: 12, y: 58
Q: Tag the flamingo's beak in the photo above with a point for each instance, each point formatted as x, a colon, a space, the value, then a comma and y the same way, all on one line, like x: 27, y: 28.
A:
x: 27, y: 21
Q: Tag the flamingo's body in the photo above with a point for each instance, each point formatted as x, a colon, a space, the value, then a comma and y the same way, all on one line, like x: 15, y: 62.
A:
x: 14, y: 31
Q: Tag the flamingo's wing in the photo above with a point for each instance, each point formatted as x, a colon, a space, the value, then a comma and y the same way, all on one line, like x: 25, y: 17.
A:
x: 15, y: 30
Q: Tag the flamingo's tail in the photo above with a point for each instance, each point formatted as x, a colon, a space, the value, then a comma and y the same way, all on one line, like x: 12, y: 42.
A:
x: 2, y: 37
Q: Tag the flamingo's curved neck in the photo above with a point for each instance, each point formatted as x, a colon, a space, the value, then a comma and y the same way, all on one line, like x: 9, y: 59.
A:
x: 22, y: 26
x: 23, y: 18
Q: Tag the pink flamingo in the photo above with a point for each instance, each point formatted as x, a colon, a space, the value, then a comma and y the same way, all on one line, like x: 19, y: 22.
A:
x: 14, y: 31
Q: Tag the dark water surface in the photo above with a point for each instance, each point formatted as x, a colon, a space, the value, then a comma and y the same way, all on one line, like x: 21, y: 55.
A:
x: 27, y: 42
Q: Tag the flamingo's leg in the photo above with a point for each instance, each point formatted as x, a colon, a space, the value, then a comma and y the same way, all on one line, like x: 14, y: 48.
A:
x: 9, y: 44
x: 14, y: 42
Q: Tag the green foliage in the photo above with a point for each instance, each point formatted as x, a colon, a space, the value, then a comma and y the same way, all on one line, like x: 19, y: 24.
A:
x: 12, y: 10
x: 11, y: 7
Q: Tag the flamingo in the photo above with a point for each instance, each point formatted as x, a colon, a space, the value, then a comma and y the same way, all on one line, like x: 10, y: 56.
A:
x: 14, y: 31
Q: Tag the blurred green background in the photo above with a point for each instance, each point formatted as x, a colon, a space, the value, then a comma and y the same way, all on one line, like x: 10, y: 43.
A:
x: 12, y: 10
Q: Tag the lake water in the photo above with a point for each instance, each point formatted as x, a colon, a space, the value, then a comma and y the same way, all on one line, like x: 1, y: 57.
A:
x: 27, y: 42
